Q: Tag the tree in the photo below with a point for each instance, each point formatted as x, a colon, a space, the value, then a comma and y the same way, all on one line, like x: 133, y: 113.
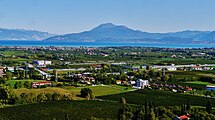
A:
x: 2, y: 81
x: 209, y: 107
x: 146, y: 107
x: 7, y: 95
x: 85, y: 92
x: 148, y: 67
x: 41, y: 97
x: 139, y: 114
x: 188, y: 106
x: 151, y: 115
x: 9, y: 75
x: 56, y: 96
x: 166, y: 78
x: 31, y: 98
x: 123, y: 101
x: 125, y: 113
x: 49, y: 96
x: 18, y: 85
x: 207, y: 93
x: 27, y: 84
x: 23, y: 97
x: 69, y: 97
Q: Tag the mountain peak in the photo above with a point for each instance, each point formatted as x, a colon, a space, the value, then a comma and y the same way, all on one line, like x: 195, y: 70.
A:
x: 106, y: 25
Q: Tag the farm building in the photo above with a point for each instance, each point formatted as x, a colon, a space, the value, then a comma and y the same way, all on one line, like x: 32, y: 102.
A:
x: 1, y: 71
x: 37, y: 84
x: 118, y: 82
x: 210, y: 87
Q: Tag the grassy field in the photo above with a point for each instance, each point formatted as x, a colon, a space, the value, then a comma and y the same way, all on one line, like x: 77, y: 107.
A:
x: 193, y: 73
x: 101, y: 90
x: 199, y: 83
x: 62, y: 110
x: 97, y: 90
x: 161, y: 98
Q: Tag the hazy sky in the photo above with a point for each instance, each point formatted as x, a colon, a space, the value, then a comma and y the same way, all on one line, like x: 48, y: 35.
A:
x: 68, y: 16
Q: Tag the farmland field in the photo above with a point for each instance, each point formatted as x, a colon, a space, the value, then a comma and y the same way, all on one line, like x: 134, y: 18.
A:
x: 60, y: 110
x: 161, y: 98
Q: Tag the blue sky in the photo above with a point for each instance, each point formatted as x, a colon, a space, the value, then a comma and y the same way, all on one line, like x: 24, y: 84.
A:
x: 68, y: 16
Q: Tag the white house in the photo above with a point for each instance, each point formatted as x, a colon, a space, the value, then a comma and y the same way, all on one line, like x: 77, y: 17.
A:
x: 171, y: 68
x: 42, y: 63
x: 142, y: 83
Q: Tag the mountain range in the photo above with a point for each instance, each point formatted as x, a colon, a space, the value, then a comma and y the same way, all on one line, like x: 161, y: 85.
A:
x: 20, y: 34
x: 109, y: 32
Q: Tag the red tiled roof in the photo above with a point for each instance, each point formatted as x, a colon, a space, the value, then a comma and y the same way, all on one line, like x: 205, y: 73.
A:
x: 184, y: 117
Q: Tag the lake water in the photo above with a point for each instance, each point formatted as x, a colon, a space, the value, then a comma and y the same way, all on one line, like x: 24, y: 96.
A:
x: 91, y: 44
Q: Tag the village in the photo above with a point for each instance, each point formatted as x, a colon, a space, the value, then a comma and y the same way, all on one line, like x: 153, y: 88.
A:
x: 86, y: 76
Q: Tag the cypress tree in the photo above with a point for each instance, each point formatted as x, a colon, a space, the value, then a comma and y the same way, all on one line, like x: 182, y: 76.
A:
x: 123, y: 101
x: 188, y: 106
x: 209, y: 107
x: 146, y: 107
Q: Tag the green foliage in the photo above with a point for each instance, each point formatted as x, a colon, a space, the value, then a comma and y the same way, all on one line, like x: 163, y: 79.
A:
x: 152, y: 115
x: 18, y: 85
x: 57, y: 96
x: 209, y: 107
x: 123, y: 101
x: 41, y: 97
x: 27, y: 84
x: 7, y: 96
x: 85, y: 92
x: 9, y: 75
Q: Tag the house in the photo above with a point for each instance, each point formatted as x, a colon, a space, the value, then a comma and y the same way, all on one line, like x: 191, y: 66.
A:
x: 131, y: 82
x: 118, y: 82
x: 37, y: 84
x: 183, y: 117
x: 197, y: 67
x: 142, y: 83
x: 1, y: 71
x: 210, y: 87
x: 41, y: 63
x: 88, y: 80
x: 188, y: 88
x: 171, y: 68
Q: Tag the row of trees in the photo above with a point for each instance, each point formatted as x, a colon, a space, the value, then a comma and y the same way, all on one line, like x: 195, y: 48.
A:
x: 7, y: 96
x: 33, y: 98
x: 20, y: 84
x: 152, y: 112
x: 30, y: 73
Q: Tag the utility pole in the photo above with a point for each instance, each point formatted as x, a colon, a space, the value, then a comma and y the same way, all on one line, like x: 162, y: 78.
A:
x: 69, y: 71
x: 56, y: 80
x: 163, y: 71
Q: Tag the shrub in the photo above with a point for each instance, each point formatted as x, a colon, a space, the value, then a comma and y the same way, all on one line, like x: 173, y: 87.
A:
x: 85, y: 92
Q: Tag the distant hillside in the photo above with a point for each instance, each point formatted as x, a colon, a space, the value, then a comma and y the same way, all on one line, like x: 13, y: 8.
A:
x: 117, y: 33
x: 19, y: 34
